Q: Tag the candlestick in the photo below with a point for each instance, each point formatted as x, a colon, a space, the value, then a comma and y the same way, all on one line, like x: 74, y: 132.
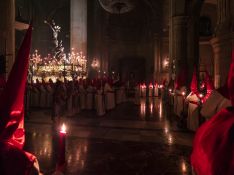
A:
x: 62, y: 146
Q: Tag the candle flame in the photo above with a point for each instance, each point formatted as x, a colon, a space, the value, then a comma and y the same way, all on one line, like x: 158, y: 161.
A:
x: 183, y: 93
x: 63, y: 129
x: 200, y: 95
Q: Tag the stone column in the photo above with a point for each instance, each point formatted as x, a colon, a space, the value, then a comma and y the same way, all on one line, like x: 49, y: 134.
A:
x: 157, y: 57
x: 78, y: 25
x: 222, y: 48
x: 222, y: 43
x: 7, y: 31
x: 179, y: 42
x: 193, y: 45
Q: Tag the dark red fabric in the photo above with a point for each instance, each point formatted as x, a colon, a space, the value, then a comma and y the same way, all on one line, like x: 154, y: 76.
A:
x: 12, y: 98
x: 14, y: 161
x: 181, y: 79
x: 193, y: 85
x: 213, y: 147
x: 230, y: 82
x: 2, y: 81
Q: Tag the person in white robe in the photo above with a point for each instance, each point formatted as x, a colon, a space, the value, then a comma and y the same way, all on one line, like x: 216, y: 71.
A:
x: 99, y: 100
x: 155, y: 90
x: 143, y: 90
x: 59, y: 101
x: 151, y: 89
x: 193, y: 111
x: 82, y: 92
x: 109, y: 96
x: 35, y: 94
x: 179, y: 100
x: 90, y: 97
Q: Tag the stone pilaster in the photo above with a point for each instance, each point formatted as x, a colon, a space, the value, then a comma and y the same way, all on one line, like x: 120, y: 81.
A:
x: 222, y: 48
x: 222, y: 43
x: 157, y: 57
x: 179, y: 42
x: 78, y: 25
x: 7, y: 31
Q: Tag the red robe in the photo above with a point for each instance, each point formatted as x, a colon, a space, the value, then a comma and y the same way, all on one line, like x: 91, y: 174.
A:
x: 213, y: 148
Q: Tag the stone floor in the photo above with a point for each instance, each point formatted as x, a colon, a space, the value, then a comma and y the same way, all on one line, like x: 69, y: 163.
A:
x: 129, y: 140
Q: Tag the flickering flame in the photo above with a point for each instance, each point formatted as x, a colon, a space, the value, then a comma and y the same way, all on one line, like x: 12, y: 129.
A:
x: 170, y: 90
x: 183, y: 166
x: 201, y: 95
x: 63, y: 129
x: 183, y: 93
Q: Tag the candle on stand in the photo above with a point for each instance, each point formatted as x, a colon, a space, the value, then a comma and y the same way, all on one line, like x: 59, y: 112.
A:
x: 62, y: 146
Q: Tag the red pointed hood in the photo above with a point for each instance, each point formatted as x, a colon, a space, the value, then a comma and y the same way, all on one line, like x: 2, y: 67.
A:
x: 231, y: 79
x: 181, y: 79
x: 12, y: 99
x: 193, y: 85
x: 213, y: 149
x: 209, y: 82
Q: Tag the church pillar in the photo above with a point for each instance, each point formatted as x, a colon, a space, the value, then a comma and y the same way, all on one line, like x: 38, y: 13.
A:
x: 179, y: 42
x: 157, y: 57
x: 222, y: 43
x: 78, y: 25
x: 7, y: 32
x: 193, y: 44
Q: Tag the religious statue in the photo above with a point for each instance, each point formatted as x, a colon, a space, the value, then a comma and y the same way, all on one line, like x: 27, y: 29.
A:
x: 59, y: 49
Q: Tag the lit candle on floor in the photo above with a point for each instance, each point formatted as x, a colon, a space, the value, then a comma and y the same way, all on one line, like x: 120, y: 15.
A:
x: 62, y: 145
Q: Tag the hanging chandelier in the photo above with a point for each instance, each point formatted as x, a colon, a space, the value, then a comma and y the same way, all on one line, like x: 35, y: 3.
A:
x: 117, y: 6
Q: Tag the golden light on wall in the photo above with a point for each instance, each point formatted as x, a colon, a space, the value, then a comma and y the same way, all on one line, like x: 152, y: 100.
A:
x: 166, y: 63
x: 95, y: 64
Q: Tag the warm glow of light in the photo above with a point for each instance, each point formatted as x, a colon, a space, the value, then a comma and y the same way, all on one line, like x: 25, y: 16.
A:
x: 63, y: 129
x: 183, y: 166
x: 170, y: 90
x: 143, y: 108
x: 201, y: 95
x: 170, y: 139
x: 143, y: 86
x: 166, y: 63
x: 160, y: 110
x: 151, y: 108
x: 183, y: 93
x: 166, y: 130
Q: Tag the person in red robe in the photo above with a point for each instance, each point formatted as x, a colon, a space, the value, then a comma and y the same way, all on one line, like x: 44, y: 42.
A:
x: 213, y: 146
x: 13, y: 159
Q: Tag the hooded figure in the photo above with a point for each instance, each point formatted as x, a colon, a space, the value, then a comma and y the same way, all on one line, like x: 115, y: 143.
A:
x: 180, y: 88
x: 13, y: 159
x: 213, y: 147
x: 213, y: 101
x: 193, y: 104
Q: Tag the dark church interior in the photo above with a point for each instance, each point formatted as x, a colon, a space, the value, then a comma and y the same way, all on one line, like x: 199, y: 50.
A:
x: 116, y: 87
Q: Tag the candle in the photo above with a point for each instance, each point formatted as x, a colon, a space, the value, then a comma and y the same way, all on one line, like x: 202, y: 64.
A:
x: 62, y: 146
x: 201, y: 95
x: 183, y: 93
